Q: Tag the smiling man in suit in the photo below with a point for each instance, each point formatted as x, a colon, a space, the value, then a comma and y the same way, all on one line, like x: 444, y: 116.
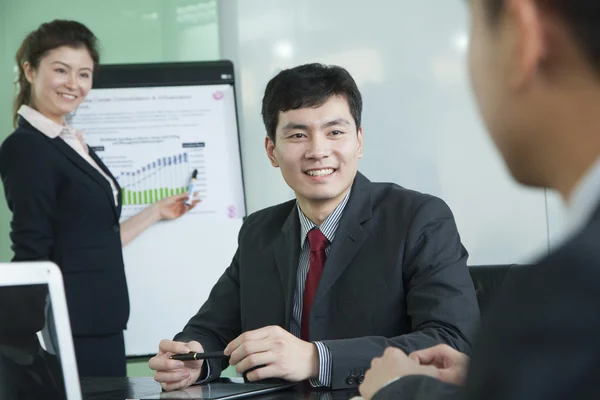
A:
x: 535, y: 70
x: 323, y: 283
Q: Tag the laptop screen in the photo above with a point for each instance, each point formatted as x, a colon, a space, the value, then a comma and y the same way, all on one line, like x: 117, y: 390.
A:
x: 30, y: 365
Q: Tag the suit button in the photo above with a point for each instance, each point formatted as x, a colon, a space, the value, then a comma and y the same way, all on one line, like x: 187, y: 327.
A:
x: 116, y: 228
x: 351, y: 380
x: 360, y: 379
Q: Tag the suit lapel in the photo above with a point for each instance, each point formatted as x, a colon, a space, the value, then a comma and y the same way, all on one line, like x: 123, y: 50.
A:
x: 104, y: 168
x: 80, y: 162
x: 349, y: 237
x: 286, y: 248
x: 85, y: 166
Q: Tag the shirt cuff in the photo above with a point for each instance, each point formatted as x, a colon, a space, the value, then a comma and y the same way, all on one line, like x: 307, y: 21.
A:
x: 205, y: 373
x: 324, y: 367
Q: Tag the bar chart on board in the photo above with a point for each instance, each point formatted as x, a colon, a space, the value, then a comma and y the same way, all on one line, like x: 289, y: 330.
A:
x: 162, y: 177
x: 152, y: 141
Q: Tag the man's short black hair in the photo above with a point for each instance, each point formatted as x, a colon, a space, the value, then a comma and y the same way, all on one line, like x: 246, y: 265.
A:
x: 309, y: 85
x: 581, y: 16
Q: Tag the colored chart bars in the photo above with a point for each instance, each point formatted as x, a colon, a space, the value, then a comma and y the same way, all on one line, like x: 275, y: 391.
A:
x: 163, y: 177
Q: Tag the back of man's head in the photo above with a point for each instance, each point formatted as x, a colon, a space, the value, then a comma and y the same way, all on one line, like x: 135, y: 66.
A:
x: 535, y: 70
x: 309, y: 85
x: 582, y: 18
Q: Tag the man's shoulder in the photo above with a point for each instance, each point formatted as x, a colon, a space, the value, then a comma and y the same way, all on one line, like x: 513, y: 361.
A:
x: 580, y: 254
x: 572, y: 271
x: 391, y: 195
x: 270, y: 218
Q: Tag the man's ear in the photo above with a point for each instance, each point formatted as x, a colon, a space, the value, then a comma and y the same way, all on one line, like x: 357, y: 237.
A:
x: 270, y: 149
x: 360, y: 142
x: 529, y: 41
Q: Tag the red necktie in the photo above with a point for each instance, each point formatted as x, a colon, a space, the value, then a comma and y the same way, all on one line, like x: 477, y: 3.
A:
x: 318, y: 243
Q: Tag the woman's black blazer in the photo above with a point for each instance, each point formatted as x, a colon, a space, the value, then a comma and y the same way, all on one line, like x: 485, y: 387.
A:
x: 64, y: 211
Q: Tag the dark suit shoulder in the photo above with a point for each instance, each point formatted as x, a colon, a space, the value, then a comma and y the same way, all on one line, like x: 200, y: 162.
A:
x: 25, y: 144
x: 397, y: 197
x: 562, y: 288
x: 22, y: 136
x: 268, y: 219
x: 575, y: 260
x: 579, y: 256
x: 545, y: 316
x: 571, y: 273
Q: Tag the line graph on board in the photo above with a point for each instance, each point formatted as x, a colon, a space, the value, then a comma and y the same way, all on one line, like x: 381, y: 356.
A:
x: 159, y: 178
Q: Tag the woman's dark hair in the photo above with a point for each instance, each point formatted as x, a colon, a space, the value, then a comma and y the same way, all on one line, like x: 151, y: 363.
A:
x: 38, y: 43
x: 581, y: 16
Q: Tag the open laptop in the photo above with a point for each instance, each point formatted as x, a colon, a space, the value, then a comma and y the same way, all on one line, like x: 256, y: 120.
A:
x: 31, y: 367
x: 37, y: 359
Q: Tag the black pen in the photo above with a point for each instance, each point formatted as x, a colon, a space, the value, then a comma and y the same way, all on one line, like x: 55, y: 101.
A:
x: 191, y: 356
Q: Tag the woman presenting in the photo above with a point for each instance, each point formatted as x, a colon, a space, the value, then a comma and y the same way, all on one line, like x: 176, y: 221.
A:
x: 65, y: 202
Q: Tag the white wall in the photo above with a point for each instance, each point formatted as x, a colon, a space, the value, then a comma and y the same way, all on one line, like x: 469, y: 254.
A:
x: 421, y: 127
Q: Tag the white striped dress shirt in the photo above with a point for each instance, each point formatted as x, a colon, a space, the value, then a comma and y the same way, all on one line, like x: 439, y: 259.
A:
x: 328, y: 228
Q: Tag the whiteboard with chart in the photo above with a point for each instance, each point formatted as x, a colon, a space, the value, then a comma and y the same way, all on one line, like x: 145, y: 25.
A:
x: 154, y: 129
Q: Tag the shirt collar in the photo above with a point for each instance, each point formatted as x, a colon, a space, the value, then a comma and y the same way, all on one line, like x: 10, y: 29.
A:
x: 328, y: 227
x: 584, y: 200
x: 44, y: 124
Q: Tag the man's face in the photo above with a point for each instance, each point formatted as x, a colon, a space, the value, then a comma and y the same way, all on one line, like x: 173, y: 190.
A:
x: 317, y: 150
x: 506, y: 85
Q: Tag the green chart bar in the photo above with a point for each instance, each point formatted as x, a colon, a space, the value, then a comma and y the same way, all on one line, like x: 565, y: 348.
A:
x: 150, y: 196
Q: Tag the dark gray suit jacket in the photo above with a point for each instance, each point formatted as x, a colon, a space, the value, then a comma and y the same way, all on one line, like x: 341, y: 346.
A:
x: 396, y: 275
x: 542, y: 338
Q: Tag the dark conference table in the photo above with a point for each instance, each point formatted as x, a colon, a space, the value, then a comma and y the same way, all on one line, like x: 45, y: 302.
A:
x: 138, y: 388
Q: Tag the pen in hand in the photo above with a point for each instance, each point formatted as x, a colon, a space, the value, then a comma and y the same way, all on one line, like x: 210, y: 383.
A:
x: 191, y: 356
x: 188, y: 202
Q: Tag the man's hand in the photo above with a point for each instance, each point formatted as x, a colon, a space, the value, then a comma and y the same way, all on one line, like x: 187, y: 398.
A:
x: 452, y: 365
x: 282, y: 354
x: 174, y: 374
x: 392, y: 365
